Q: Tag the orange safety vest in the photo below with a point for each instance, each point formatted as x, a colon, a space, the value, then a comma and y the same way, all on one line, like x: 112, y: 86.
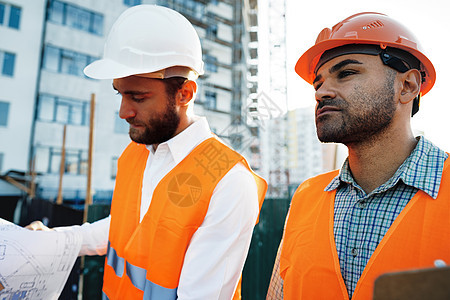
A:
x: 309, y: 263
x: 145, y: 259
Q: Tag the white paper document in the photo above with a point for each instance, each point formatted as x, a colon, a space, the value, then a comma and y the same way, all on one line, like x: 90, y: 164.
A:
x: 35, y: 264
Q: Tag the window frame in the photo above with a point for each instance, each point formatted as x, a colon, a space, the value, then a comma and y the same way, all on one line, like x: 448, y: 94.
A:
x: 210, y: 100
x: 67, y: 61
x: 7, y: 69
x: 72, y: 16
x: 54, y: 161
x: 132, y: 2
x: 73, y: 106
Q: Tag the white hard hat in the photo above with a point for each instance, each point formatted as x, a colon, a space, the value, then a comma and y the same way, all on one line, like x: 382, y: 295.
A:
x: 152, y: 41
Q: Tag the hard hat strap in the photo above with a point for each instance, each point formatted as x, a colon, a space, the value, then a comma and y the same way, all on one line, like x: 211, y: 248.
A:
x: 416, y: 104
x: 397, y: 59
x: 393, y: 62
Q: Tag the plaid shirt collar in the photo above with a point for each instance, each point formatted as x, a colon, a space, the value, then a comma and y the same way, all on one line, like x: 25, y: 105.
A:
x: 422, y: 170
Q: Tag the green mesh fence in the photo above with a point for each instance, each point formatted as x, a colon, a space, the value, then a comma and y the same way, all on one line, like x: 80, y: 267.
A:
x: 263, y: 249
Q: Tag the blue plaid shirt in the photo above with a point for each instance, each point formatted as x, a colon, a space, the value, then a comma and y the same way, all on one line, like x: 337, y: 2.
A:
x: 361, y: 220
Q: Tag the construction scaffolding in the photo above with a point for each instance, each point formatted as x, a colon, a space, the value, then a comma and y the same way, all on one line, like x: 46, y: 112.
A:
x: 276, y: 91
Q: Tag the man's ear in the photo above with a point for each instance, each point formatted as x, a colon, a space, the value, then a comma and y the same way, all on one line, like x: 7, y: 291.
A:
x: 410, y: 88
x: 186, y: 93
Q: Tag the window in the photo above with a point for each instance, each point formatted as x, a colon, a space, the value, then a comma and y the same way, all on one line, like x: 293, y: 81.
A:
x: 62, y: 113
x: 210, y: 100
x: 120, y: 126
x: 10, y: 15
x: 132, y: 2
x: 211, y: 31
x: 73, y: 63
x: 75, y: 17
x: 75, y: 161
x: 114, y: 167
x: 7, y: 61
x: 46, y: 108
x: 55, y: 161
x: 65, y: 61
x: 195, y: 8
x: 2, y: 13
x: 210, y: 63
x: 14, y: 17
x: 4, y: 111
x: 63, y: 110
x: 56, y: 12
x: 96, y: 24
x: 51, y: 59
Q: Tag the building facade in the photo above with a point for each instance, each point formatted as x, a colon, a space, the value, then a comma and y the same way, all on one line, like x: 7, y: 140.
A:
x: 20, y: 36
x: 44, y: 89
x: 305, y: 152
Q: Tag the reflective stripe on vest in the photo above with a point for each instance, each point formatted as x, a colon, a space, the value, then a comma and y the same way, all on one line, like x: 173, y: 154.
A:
x: 151, y: 290
x: 138, y: 278
x: 115, y: 261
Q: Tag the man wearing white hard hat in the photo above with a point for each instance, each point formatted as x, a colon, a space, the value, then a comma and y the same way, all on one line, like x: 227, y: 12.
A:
x: 184, y: 204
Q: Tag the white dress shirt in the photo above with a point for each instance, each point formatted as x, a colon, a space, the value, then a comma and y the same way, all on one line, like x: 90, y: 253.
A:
x: 217, y: 251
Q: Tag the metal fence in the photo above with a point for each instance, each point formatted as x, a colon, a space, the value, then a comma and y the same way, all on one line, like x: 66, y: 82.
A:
x: 263, y: 249
x: 257, y: 270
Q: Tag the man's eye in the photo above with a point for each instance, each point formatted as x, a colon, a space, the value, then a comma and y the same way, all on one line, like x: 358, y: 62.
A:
x: 138, y: 98
x: 345, y: 73
x: 317, y: 86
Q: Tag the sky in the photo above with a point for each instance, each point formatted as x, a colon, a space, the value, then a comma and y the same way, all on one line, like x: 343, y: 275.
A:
x: 428, y: 20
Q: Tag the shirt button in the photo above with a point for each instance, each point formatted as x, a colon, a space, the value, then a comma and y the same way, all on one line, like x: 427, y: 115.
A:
x: 354, y: 252
x: 362, y: 204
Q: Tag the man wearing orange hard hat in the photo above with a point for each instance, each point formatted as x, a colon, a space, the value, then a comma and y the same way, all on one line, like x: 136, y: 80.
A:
x: 387, y: 208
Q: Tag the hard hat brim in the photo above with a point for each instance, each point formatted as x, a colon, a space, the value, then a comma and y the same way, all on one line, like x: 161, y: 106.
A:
x: 109, y: 69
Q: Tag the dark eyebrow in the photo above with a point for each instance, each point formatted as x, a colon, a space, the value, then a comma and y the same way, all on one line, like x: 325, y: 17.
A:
x: 339, y: 66
x: 342, y: 64
x: 131, y: 92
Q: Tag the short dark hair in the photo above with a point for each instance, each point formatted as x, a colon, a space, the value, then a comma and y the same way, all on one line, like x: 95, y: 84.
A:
x: 173, y: 84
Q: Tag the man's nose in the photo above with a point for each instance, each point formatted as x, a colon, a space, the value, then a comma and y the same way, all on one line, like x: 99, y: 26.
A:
x: 126, y: 109
x: 325, y: 91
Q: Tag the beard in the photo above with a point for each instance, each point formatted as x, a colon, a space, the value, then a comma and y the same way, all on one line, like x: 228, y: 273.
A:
x: 364, y: 115
x: 159, y: 128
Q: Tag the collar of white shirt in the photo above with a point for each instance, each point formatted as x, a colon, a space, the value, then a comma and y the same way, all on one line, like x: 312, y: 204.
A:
x: 183, y: 143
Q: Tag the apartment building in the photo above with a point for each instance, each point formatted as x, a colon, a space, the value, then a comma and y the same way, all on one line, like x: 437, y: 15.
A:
x: 20, y: 41
x: 44, y: 89
x: 305, y: 152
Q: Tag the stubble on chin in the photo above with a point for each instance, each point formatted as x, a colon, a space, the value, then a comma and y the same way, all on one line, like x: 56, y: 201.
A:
x: 330, y: 129
x: 134, y: 135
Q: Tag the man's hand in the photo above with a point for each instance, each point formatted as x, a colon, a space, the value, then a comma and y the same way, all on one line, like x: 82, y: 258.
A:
x: 37, y: 225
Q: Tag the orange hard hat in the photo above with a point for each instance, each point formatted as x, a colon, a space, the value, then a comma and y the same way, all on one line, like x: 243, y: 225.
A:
x: 366, y: 28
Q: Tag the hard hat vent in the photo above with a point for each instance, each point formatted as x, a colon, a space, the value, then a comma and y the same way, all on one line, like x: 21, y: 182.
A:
x: 366, y: 28
x: 375, y: 24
